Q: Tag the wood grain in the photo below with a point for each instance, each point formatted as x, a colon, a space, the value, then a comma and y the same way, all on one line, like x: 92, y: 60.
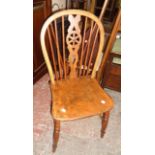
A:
x: 105, y: 119
x: 73, y: 22
x: 75, y: 96
x: 73, y: 43
x: 80, y: 98
x: 56, y: 134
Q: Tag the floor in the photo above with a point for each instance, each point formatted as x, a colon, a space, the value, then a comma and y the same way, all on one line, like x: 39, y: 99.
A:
x: 80, y: 137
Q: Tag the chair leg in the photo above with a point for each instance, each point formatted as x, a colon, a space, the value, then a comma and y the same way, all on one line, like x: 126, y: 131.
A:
x: 105, y: 119
x: 56, y: 134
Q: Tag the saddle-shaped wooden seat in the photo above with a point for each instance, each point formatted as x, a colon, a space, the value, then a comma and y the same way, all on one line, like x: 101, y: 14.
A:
x: 78, y: 98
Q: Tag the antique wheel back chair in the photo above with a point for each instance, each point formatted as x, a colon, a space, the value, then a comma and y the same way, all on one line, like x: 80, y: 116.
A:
x: 72, y: 65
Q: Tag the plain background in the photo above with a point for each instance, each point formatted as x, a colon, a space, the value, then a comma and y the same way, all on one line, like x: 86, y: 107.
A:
x: 138, y: 77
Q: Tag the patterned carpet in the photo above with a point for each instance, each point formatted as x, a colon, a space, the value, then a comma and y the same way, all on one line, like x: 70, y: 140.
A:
x: 80, y: 137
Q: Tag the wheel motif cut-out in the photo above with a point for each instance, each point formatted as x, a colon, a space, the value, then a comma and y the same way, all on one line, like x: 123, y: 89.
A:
x: 73, y: 40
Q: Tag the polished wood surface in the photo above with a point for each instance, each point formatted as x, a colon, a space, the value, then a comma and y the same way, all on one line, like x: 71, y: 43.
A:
x: 109, y: 46
x: 41, y: 9
x: 59, y: 59
x: 112, y: 75
x: 56, y: 134
x: 105, y: 119
x: 73, y: 41
x: 78, y: 98
x: 39, y: 66
x: 75, y: 91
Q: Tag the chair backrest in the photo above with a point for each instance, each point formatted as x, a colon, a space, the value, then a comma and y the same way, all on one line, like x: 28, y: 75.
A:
x: 72, y: 43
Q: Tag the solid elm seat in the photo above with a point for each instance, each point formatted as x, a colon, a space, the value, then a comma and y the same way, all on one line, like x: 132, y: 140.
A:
x: 77, y: 98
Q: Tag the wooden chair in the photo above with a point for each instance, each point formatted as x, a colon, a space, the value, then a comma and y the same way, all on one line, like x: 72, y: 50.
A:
x: 72, y: 65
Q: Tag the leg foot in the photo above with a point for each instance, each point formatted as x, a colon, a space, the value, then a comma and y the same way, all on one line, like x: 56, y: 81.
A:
x: 56, y: 134
x: 105, y: 119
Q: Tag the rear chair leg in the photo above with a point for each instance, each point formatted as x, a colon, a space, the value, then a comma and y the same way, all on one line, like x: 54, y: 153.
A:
x: 104, y: 124
x: 56, y: 134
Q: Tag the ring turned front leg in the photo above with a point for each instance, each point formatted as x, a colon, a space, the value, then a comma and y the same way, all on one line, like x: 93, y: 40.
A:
x: 105, y: 119
x: 56, y: 134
